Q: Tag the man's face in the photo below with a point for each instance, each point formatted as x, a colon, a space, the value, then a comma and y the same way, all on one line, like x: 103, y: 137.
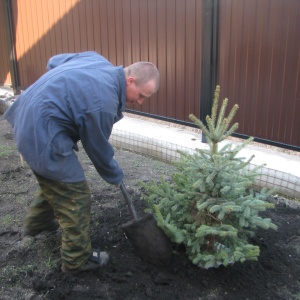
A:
x: 137, y: 94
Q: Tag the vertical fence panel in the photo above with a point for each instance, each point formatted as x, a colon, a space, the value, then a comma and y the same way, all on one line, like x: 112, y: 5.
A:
x: 119, y: 33
x: 111, y: 25
x: 179, y: 53
x: 173, y: 37
x: 153, y: 28
x: 144, y: 39
x: 135, y: 21
x: 126, y: 5
x: 258, y: 68
x: 190, y: 57
x: 5, y: 78
x: 161, y: 57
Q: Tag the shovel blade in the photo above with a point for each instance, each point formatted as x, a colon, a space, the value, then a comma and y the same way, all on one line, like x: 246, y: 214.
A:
x: 149, y: 240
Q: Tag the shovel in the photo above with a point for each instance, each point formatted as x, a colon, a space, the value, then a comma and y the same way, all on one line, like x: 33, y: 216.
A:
x: 147, y: 238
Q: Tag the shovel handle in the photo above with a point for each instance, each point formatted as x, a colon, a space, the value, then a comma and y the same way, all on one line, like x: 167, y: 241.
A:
x: 128, y: 201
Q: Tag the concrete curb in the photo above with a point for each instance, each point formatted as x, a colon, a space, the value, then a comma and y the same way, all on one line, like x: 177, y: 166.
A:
x: 282, y: 171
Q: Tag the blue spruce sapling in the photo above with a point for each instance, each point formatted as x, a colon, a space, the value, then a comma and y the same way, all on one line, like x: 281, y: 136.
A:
x: 209, y: 205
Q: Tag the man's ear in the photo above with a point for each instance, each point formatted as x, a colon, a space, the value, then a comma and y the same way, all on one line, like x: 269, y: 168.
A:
x: 130, y: 80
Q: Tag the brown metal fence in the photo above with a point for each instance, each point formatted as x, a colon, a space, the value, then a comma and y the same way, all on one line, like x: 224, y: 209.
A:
x: 259, y: 66
x: 257, y: 60
x: 165, y: 32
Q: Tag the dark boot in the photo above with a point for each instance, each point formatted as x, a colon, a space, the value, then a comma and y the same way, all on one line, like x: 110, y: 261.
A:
x: 96, y: 260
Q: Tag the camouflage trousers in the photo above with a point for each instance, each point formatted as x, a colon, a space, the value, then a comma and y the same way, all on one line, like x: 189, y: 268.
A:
x: 70, y: 204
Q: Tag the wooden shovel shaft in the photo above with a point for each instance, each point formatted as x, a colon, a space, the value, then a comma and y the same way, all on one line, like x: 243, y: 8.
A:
x: 128, y: 201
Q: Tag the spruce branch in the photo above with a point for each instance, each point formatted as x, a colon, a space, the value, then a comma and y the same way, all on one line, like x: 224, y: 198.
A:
x: 200, y: 125
x: 215, y: 105
x: 232, y: 113
x: 220, y: 121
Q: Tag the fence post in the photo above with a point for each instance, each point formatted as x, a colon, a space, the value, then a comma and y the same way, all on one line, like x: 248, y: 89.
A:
x: 9, y: 33
x: 209, y: 58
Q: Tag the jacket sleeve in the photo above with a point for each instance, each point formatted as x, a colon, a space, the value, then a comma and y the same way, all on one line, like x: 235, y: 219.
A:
x: 94, y: 133
x: 59, y: 59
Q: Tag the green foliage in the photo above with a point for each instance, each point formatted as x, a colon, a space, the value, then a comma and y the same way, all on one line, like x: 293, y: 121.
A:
x: 7, y: 220
x: 209, y: 206
x: 6, y: 151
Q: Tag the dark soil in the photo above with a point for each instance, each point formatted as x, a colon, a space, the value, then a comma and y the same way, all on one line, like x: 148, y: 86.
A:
x: 30, y: 267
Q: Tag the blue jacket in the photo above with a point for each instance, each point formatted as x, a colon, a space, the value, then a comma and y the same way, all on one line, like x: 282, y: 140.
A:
x: 80, y: 97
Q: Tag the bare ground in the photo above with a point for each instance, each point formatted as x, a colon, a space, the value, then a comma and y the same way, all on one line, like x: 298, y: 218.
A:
x: 30, y: 267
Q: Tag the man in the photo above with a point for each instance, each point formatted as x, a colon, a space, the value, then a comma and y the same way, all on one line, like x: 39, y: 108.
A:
x: 80, y: 97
